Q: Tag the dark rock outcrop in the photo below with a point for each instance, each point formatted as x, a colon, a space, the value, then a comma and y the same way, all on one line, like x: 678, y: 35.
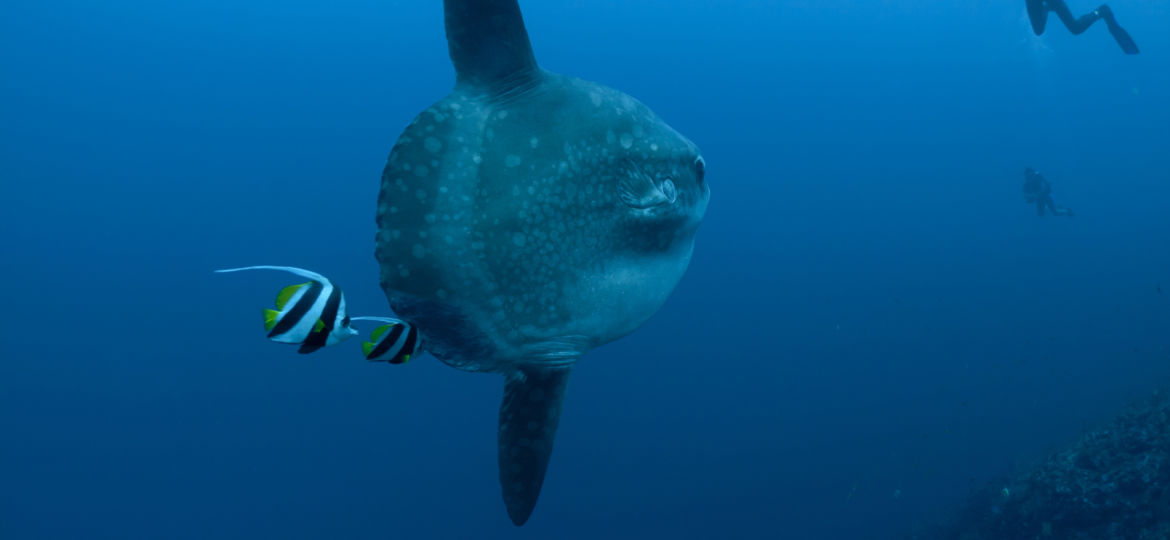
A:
x: 1113, y: 484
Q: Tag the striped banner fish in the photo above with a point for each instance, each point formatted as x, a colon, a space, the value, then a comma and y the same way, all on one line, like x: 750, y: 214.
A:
x: 395, y: 342
x: 311, y: 314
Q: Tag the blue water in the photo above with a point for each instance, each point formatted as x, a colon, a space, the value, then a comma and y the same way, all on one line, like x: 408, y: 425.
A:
x: 874, y: 323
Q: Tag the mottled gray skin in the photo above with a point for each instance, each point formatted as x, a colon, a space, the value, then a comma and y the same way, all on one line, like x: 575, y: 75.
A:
x: 503, y: 234
x: 527, y: 218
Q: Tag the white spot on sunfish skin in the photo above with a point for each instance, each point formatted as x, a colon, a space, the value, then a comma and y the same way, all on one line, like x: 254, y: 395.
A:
x: 627, y: 140
x: 595, y: 98
x: 432, y: 145
x: 502, y: 114
x: 519, y: 239
x: 477, y: 158
x: 512, y: 160
x: 534, y: 142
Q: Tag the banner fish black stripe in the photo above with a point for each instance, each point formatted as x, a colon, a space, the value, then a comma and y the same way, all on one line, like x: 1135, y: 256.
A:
x: 407, y: 348
x: 388, y: 342
x: 316, y: 340
x: 294, y: 315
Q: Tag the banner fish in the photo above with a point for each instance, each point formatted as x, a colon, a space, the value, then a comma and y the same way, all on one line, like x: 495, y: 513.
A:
x: 395, y: 342
x: 311, y: 314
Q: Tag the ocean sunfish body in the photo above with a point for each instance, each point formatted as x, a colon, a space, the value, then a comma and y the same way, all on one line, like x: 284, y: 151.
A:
x: 527, y: 218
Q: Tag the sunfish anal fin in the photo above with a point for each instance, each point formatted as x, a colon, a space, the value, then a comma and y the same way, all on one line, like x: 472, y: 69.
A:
x: 528, y: 424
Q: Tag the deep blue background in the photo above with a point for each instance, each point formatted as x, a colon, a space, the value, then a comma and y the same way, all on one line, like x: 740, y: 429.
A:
x: 871, y: 308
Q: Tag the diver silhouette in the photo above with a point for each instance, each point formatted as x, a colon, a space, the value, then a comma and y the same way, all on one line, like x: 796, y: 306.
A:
x: 1037, y: 190
x: 1038, y: 14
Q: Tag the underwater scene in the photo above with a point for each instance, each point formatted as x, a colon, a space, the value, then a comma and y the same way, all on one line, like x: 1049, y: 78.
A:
x: 558, y: 269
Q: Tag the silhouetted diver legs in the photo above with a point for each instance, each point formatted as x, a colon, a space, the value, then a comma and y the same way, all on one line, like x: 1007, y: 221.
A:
x: 1047, y: 202
x: 1038, y: 15
x: 1119, y: 33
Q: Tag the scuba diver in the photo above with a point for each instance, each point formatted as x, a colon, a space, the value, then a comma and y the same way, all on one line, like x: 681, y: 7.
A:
x: 1037, y: 190
x: 1038, y: 14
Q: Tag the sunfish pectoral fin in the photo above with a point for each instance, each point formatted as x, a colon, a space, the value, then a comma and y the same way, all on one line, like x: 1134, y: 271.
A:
x: 528, y: 424
x: 637, y: 190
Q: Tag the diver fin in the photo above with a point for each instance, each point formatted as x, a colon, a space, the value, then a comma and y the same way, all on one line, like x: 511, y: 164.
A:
x: 488, y: 43
x: 1127, y: 44
x: 528, y: 424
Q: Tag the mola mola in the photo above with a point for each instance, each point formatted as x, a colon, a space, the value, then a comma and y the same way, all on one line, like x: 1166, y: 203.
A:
x: 527, y: 218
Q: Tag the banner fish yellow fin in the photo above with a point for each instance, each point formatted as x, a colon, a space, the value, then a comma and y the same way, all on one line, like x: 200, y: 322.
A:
x: 393, y: 343
x: 270, y: 317
x: 319, y: 326
x: 379, y: 332
x: 285, y: 294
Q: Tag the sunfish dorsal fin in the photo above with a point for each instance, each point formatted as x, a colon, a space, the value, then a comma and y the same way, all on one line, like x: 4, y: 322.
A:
x: 529, y: 416
x: 488, y: 44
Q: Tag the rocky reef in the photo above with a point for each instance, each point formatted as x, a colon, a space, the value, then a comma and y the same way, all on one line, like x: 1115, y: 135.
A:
x: 1113, y: 484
